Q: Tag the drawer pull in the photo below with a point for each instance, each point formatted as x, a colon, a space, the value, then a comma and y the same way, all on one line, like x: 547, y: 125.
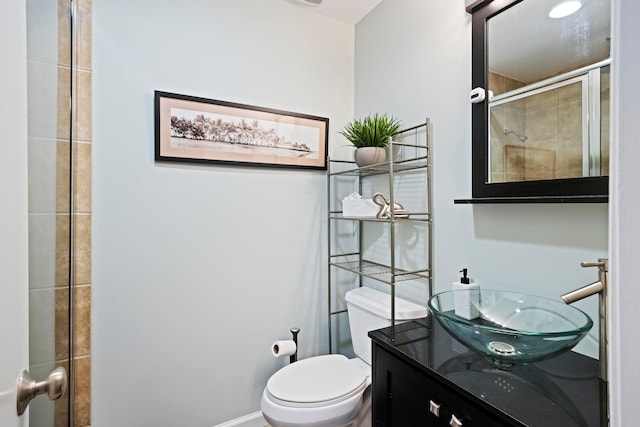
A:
x: 455, y: 422
x: 434, y: 408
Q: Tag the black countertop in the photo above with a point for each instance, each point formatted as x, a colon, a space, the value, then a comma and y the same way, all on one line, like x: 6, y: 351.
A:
x: 563, y: 391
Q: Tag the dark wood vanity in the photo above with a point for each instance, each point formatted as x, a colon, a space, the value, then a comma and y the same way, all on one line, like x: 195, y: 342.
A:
x: 424, y: 377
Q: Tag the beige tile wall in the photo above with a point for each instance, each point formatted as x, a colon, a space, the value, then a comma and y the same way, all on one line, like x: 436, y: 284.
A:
x: 499, y: 83
x: 506, y: 163
x: 604, y: 120
x: 552, y: 123
x: 570, y: 121
x: 81, y: 192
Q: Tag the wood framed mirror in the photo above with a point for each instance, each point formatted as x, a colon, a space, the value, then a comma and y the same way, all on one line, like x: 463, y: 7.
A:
x: 542, y: 132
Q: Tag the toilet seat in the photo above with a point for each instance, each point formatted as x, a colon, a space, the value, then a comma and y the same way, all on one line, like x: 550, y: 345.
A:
x: 316, y: 381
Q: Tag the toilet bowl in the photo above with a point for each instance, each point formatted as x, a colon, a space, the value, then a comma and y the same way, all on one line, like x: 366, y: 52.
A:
x: 318, y: 391
x: 326, y: 391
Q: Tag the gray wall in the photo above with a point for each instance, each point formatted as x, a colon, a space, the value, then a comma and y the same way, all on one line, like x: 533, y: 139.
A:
x: 198, y: 269
x: 193, y: 277
x: 426, y: 71
x: 625, y: 204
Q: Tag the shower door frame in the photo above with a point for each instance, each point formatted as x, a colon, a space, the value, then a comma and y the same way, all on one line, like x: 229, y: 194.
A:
x: 589, y: 77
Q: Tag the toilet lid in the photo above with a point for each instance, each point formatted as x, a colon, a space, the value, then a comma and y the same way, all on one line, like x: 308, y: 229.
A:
x: 316, y: 381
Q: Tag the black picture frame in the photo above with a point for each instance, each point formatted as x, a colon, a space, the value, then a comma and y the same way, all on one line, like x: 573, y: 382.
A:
x: 200, y: 130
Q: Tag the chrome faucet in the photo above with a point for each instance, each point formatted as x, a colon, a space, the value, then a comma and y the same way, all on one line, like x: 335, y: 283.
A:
x: 599, y: 287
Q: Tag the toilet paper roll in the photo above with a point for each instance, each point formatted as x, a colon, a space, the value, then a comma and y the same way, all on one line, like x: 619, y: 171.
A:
x: 283, y: 348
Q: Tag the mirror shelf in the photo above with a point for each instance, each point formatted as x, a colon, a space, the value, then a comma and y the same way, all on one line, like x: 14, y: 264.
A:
x: 534, y: 199
x: 543, y: 137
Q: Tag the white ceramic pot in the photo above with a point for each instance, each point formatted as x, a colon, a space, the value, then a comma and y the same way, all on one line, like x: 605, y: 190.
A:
x: 365, y: 156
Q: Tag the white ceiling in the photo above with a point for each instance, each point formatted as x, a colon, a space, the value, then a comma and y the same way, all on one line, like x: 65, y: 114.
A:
x: 527, y: 45
x: 350, y: 11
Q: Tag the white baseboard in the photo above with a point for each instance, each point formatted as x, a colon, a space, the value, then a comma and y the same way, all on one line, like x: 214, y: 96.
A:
x: 251, y: 420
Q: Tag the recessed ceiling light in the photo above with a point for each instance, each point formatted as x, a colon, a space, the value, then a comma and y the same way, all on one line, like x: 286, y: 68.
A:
x: 565, y: 9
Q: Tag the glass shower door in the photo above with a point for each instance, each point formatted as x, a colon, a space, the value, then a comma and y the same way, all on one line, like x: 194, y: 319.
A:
x: 547, y: 131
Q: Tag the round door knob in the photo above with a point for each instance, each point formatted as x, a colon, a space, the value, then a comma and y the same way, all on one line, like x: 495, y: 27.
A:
x: 55, y: 386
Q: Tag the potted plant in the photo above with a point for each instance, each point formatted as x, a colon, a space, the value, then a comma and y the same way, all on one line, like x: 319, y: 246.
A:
x: 370, y: 136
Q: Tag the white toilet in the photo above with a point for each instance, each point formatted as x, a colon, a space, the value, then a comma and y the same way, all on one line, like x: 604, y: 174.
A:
x: 326, y: 391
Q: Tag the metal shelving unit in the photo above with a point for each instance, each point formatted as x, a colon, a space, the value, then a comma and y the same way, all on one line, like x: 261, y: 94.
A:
x: 411, y: 151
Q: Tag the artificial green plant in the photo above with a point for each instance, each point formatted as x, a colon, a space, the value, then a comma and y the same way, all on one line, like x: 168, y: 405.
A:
x: 371, y: 131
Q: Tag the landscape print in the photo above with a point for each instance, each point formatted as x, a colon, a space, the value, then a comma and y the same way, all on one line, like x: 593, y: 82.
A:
x: 215, y: 132
x: 195, y: 129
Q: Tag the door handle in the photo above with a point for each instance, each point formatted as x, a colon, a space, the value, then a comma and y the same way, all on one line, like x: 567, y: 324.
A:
x: 28, y: 388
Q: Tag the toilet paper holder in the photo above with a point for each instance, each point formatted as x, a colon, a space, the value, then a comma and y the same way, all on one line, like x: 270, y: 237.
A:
x: 287, y: 347
x: 294, y: 331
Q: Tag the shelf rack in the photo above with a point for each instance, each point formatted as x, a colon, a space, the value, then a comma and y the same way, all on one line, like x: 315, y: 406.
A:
x: 403, y: 157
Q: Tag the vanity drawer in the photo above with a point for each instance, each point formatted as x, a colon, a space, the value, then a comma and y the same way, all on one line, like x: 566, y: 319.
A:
x: 472, y: 415
x: 405, y: 396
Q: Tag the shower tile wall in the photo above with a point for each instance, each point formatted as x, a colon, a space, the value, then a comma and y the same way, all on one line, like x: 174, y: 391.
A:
x: 507, y: 161
x: 499, y: 83
x: 49, y: 209
x: 560, y: 111
x: 605, y: 79
x: 552, y: 124
x: 82, y: 131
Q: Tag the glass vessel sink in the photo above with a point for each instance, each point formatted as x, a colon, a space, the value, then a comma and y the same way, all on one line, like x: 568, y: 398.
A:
x: 510, y: 327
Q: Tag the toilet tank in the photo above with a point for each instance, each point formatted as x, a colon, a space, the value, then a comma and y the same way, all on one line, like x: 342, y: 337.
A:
x: 370, y: 309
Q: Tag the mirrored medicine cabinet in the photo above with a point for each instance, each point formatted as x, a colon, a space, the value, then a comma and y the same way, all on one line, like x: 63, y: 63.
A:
x: 541, y: 134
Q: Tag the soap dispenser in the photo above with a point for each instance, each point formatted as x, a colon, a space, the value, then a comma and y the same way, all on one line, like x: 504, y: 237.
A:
x: 466, y: 297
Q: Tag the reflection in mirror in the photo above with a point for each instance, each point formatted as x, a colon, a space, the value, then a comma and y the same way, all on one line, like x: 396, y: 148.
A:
x: 549, y: 115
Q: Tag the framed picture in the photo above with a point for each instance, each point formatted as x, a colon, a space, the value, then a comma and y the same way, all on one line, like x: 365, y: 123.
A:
x: 191, y: 129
